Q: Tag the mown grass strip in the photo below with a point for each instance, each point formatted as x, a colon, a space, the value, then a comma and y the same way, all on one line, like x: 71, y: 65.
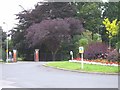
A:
x: 87, y: 67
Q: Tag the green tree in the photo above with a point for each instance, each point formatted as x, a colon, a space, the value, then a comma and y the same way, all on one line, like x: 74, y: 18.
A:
x: 118, y: 37
x: 42, y: 11
x: 94, y: 13
x: 112, y: 29
x: 83, y: 42
x: 111, y: 10
x: 91, y: 15
x: 2, y: 44
x: 53, y: 33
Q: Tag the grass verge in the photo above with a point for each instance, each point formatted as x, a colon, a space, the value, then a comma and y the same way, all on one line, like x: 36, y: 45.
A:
x: 87, y: 67
x: 1, y: 60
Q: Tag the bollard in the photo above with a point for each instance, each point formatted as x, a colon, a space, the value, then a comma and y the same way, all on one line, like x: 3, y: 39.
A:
x: 71, y: 54
x: 10, y: 56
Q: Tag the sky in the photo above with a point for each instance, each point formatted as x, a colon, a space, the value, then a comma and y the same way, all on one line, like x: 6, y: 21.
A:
x: 8, y: 9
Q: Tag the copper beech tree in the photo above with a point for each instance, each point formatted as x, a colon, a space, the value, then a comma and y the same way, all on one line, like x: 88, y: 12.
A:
x: 53, y: 33
x: 42, y: 11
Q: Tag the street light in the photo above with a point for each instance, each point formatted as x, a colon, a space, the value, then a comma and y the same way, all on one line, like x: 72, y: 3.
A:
x: 6, y: 44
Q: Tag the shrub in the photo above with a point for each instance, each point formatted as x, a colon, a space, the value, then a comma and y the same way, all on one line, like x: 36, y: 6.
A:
x: 96, y: 37
x: 3, y: 55
x: 113, y: 55
x: 95, y: 50
x: 0, y: 53
x: 83, y: 42
x: 118, y: 45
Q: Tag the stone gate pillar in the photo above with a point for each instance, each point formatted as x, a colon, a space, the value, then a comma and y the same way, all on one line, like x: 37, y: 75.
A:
x: 14, y: 55
x: 36, y: 55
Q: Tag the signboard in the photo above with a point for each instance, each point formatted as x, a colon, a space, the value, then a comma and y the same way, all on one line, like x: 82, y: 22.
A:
x: 81, y: 49
x: 7, y: 50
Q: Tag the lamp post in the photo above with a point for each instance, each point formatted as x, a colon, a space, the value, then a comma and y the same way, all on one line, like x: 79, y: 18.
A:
x: 7, y: 49
x: 6, y: 43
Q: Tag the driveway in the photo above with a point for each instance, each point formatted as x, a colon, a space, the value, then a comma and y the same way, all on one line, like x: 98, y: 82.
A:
x: 34, y: 75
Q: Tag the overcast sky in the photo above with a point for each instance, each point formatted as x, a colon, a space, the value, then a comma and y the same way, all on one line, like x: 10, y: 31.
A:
x: 8, y: 9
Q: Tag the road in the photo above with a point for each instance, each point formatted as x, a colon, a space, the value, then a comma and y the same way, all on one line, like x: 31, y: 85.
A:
x: 34, y: 75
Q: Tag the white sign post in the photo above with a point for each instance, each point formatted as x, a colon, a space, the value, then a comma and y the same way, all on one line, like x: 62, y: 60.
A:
x: 81, y: 51
x: 71, y: 53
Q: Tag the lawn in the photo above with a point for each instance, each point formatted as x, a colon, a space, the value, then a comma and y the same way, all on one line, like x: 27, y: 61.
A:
x: 87, y: 67
x: 1, y: 61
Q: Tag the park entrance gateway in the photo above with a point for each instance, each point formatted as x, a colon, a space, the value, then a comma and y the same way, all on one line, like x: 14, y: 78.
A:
x: 36, y: 55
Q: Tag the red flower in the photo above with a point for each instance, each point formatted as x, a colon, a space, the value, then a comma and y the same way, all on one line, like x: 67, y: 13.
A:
x: 111, y: 62
x: 106, y: 62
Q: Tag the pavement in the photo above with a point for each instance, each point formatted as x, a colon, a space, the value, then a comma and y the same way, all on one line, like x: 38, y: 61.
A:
x: 35, y: 75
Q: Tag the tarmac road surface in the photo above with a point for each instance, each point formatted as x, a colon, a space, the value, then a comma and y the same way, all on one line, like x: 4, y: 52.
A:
x: 35, y: 75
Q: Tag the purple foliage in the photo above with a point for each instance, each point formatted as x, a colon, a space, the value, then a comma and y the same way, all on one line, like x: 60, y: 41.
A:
x: 113, y: 55
x: 47, y: 10
x: 53, y: 32
x: 75, y: 25
x: 58, y: 29
x: 95, y: 50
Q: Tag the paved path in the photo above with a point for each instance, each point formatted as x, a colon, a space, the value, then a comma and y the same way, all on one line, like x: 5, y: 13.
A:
x: 34, y: 75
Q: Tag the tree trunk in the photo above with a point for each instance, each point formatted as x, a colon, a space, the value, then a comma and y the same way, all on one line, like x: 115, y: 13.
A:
x: 109, y: 43
x: 53, y: 56
x: 92, y: 35
x: 104, y: 37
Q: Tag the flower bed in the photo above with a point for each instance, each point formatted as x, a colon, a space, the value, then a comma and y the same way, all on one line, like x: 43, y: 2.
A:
x: 97, y: 61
